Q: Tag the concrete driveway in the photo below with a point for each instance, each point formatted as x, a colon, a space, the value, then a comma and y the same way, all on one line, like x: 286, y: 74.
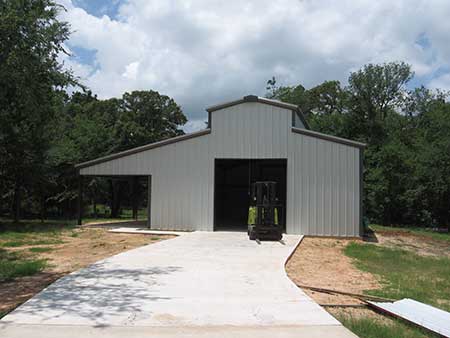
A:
x: 211, y: 284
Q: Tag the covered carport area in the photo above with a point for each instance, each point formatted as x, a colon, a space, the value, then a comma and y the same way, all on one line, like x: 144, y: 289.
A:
x: 136, y: 189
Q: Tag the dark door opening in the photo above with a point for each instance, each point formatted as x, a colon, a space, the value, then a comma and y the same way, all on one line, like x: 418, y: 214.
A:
x: 233, y: 179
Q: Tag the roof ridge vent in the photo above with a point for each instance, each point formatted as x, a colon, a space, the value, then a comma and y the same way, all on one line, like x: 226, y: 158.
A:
x: 251, y: 98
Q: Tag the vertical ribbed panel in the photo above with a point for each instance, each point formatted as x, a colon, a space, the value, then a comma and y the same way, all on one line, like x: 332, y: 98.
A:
x: 250, y: 130
x: 322, y: 176
x: 323, y: 187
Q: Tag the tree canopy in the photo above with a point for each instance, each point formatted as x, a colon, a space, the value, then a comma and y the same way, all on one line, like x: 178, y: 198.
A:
x: 31, y: 39
x: 407, y: 132
x: 44, y: 130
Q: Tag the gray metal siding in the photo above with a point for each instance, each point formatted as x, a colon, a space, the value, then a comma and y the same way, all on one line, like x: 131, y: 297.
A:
x: 323, y: 187
x: 250, y: 130
x: 323, y: 176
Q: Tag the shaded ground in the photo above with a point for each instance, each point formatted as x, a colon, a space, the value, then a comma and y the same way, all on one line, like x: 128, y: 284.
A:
x: 77, y: 248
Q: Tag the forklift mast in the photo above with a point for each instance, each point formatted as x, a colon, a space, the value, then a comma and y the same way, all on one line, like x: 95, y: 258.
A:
x: 266, y: 224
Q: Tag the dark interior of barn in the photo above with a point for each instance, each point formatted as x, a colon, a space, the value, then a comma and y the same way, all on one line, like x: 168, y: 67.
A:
x: 233, y: 180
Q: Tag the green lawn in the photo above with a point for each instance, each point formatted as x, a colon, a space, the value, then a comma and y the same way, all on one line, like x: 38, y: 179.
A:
x: 370, y: 328
x: 40, y: 249
x: 403, y: 274
x: 31, y: 241
x: 16, y: 262
x: 32, y: 233
x: 13, y: 264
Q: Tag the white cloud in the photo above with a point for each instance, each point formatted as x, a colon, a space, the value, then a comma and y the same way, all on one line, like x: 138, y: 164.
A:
x: 206, y: 51
x: 442, y: 82
x: 131, y: 71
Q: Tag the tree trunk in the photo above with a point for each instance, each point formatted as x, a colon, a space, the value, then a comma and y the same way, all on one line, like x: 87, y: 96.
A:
x: 17, y: 199
x: 111, y: 197
x: 134, y: 197
x: 42, y: 207
x: 94, y: 203
x: 115, y: 199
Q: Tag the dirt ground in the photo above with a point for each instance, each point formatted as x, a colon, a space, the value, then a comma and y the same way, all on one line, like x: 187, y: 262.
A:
x: 320, y: 262
x: 421, y: 245
x: 81, y: 247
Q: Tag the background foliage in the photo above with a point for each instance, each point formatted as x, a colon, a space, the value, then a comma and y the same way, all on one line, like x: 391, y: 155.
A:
x: 407, y: 132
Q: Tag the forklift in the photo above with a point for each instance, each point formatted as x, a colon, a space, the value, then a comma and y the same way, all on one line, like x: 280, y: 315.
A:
x: 265, y: 212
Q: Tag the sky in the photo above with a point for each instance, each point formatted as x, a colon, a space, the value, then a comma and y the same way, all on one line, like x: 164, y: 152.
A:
x: 204, y: 52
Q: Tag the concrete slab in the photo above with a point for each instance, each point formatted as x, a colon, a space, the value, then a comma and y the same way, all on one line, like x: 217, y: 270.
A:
x: 145, y: 231
x: 197, y: 280
x: 70, y: 331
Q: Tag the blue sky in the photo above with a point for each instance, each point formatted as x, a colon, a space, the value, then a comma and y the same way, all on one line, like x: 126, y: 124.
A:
x: 99, y: 8
x: 201, y: 52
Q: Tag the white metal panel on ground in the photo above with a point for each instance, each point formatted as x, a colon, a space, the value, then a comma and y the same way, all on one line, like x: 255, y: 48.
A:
x: 323, y: 177
x: 424, y: 315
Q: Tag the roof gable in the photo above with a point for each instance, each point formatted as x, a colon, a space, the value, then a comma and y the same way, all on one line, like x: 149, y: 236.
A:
x: 254, y: 98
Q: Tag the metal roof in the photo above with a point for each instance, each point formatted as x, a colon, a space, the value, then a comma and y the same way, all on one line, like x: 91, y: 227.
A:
x: 249, y: 98
x: 143, y: 148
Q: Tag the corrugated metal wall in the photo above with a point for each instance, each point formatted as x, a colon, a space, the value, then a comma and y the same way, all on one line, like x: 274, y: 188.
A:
x: 323, y: 176
x: 323, y: 187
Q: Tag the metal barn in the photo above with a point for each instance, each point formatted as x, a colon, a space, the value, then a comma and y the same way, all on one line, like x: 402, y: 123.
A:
x: 200, y: 181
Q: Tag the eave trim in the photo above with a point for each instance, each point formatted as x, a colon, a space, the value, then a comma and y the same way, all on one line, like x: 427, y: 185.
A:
x: 329, y: 137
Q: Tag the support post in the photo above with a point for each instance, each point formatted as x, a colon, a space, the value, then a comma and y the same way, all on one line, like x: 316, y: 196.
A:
x: 134, y: 200
x: 80, y: 199
x: 149, y: 202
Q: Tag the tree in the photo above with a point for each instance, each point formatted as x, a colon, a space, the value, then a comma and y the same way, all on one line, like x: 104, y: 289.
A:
x: 146, y: 117
x: 290, y: 94
x: 374, y: 92
x: 31, y: 39
x: 87, y: 128
x: 407, y: 159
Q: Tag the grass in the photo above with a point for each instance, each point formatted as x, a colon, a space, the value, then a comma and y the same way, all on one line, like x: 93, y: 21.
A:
x: 40, y: 249
x: 442, y: 236
x: 14, y: 265
x: 32, y: 233
x: 30, y: 241
x: 405, y: 274
x: 370, y: 328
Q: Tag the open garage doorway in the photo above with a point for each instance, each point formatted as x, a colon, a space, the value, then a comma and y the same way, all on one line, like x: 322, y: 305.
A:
x: 232, y: 189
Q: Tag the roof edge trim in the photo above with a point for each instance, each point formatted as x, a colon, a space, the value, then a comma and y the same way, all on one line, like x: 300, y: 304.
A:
x: 252, y: 98
x: 329, y: 138
x: 142, y: 148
